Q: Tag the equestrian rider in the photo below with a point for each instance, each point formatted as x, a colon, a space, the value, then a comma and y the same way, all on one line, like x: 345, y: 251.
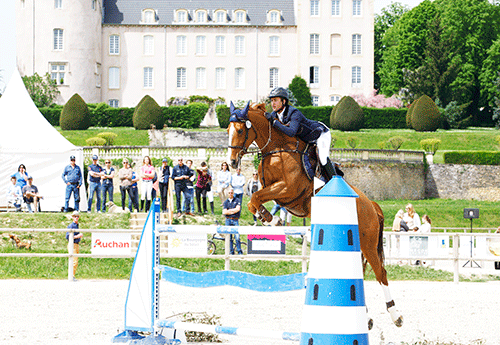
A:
x: 293, y: 123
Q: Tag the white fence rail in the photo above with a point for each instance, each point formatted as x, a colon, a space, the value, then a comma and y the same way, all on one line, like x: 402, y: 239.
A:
x: 436, y: 246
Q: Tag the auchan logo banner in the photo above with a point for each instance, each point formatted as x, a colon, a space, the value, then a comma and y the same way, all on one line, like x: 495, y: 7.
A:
x: 111, y: 243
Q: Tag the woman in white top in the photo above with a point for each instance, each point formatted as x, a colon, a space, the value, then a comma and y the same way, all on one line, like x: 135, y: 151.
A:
x: 411, y: 218
x: 426, y: 224
x: 224, y: 181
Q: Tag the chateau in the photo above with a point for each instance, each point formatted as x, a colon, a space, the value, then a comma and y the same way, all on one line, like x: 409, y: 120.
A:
x: 117, y: 51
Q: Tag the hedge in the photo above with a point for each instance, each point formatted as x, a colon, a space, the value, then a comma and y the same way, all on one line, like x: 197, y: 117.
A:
x: 472, y: 157
x: 185, y: 116
x: 391, y: 118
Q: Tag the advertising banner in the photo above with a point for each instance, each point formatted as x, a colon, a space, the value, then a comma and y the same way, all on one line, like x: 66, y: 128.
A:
x: 187, y: 244
x: 266, y: 244
x: 111, y: 243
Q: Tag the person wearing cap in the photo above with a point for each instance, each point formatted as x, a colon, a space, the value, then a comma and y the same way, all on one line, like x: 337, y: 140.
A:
x: 94, y: 177
x: 107, y: 175
x: 73, y: 177
x: 180, y: 174
x: 202, y: 186
x: 292, y: 122
x: 163, y: 183
x: 31, y: 196
x: 77, y: 237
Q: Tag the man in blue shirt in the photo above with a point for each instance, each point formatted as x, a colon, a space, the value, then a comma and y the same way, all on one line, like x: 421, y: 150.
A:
x: 72, y: 176
x: 238, y: 183
x: 163, y: 183
x: 232, y: 210
x: 77, y: 236
x: 95, y: 173
x: 180, y: 174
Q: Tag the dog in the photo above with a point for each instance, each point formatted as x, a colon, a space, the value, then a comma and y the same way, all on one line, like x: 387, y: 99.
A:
x: 19, y: 243
x: 70, y: 209
x: 112, y: 208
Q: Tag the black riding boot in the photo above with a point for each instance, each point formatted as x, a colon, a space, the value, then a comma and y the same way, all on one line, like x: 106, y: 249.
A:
x: 142, y: 205
x: 212, y: 206
x: 148, y: 204
x: 329, y: 170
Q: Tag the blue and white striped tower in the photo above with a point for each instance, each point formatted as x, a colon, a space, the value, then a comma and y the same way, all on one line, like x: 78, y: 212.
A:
x: 334, y: 310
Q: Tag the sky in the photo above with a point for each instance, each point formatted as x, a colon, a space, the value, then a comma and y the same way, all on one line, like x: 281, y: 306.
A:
x: 8, y: 36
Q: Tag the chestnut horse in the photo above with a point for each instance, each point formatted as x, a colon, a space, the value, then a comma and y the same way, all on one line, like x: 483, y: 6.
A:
x: 284, y: 180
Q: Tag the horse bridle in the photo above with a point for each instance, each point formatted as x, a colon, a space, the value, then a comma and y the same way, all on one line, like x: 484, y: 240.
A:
x: 244, y: 149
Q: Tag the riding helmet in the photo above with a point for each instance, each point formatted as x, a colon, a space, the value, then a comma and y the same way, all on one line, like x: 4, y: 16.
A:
x: 279, y: 92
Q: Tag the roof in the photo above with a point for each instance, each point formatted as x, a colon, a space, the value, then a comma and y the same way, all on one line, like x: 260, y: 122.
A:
x: 128, y: 12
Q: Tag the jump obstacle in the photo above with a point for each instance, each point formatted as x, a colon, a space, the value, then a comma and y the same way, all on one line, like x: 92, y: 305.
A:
x: 334, y: 310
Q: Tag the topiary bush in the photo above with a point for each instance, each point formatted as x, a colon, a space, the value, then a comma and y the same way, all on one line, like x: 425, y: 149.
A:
x: 75, y: 114
x: 347, y: 115
x: 430, y: 145
x: 298, y: 86
x: 95, y: 141
x: 185, y: 116
x: 426, y: 116
x: 147, y: 113
x: 395, y: 142
x: 108, y: 136
x: 409, y: 113
x: 223, y: 115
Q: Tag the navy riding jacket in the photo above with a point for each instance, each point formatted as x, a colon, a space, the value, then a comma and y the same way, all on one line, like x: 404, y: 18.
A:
x: 296, y: 124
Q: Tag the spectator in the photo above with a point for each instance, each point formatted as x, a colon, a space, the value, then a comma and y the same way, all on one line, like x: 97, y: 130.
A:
x: 224, y: 181
x: 125, y: 177
x: 95, y: 173
x: 76, y: 240
x: 31, y: 196
x: 426, y: 224
x: 72, y: 176
x: 411, y: 218
x: 231, y: 209
x: 108, y: 174
x: 134, y: 194
x: 21, y: 176
x: 180, y: 175
x: 202, y: 187
x: 14, y: 194
x: 238, y: 183
x: 163, y: 183
x: 210, y: 192
x: 147, y: 176
x: 399, y: 224
x: 189, y: 202
x: 285, y: 216
x: 252, y: 186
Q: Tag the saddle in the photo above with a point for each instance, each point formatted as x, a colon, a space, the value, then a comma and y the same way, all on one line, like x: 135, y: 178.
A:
x: 312, y: 168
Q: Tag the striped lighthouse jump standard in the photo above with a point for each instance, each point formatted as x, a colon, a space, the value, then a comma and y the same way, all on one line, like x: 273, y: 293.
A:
x: 334, y: 310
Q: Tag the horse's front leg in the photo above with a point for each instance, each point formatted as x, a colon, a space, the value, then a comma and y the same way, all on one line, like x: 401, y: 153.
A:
x: 275, y: 191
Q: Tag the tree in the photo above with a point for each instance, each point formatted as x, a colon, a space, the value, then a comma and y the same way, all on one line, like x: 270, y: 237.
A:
x: 489, y: 75
x: 301, y: 91
x: 43, y: 91
x: 384, y: 22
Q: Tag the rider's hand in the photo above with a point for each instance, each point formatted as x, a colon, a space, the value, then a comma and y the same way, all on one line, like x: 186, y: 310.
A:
x: 270, y: 117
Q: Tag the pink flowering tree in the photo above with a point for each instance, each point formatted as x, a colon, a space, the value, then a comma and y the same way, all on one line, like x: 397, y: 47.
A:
x: 377, y: 101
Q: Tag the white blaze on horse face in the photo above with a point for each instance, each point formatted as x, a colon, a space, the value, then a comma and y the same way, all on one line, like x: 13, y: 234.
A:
x: 231, y: 134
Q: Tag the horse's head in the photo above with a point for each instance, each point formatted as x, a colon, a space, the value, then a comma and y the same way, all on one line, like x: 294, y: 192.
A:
x: 241, y: 133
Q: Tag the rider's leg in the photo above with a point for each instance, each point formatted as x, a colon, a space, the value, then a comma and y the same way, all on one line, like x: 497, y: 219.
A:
x: 323, y: 144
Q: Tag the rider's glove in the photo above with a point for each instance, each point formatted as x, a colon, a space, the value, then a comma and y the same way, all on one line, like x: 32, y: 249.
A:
x: 270, y: 117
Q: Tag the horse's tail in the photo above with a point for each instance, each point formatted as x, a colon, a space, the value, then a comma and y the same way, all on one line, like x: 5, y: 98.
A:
x: 380, y: 246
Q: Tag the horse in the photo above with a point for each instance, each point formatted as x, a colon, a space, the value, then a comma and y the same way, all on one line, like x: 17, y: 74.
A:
x: 284, y: 180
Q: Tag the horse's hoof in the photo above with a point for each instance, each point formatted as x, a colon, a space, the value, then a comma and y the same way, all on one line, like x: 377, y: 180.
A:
x: 276, y: 221
x: 399, y: 321
x: 370, y: 324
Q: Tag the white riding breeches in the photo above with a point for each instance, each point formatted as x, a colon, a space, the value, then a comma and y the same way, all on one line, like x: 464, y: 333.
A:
x: 323, y: 144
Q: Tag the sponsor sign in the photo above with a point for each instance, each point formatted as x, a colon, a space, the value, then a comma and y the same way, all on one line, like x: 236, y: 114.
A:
x: 187, y: 244
x: 111, y: 243
x: 266, y: 244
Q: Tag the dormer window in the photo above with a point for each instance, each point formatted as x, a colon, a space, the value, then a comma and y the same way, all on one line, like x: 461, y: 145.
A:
x: 220, y: 17
x: 274, y: 17
x: 149, y: 17
x: 182, y: 16
x: 201, y: 16
x: 240, y: 17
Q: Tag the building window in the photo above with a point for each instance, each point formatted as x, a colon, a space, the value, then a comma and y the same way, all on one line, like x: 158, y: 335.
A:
x: 148, y: 17
x: 356, y: 7
x: 94, y: 5
x: 336, y: 8
x: 57, y: 3
x: 239, y: 78
x: 114, y: 78
x: 182, y: 16
x: 220, y: 17
x: 220, y: 45
x: 314, y: 7
x: 58, y: 72
x: 274, y: 45
x: 181, y: 45
x: 148, y: 77
x: 335, y: 99
x: 356, y: 76
x: 273, y: 77
x: 220, y: 78
x: 181, y: 78
x: 201, y: 16
x: 113, y: 103
x: 313, y: 75
x: 315, y: 101
x: 239, y: 45
x: 58, y: 39
x: 240, y: 17
x: 274, y: 17
x: 114, y: 45
x: 201, y: 78
x: 201, y: 45
x: 356, y: 44
x: 314, y: 44
x: 149, y: 47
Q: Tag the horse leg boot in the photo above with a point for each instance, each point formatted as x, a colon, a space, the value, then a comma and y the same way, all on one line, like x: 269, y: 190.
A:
x: 265, y: 215
x: 396, y: 317
x: 212, y: 206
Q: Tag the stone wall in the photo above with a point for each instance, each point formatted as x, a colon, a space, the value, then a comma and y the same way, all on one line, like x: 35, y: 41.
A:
x: 180, y: 138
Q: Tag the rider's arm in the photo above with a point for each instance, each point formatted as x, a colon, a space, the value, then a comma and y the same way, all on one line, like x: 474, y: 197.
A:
x: 293, y: 126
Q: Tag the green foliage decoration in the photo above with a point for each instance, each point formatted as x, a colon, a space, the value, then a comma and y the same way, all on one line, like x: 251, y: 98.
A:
x: 185, y: 116
x: 42, y: 90
x: 430, y: 145
x: 347, y: 115
x: 147, y: 113
x: 395, y: 142
x: 108, y: 136
x: 472, y: 157
x: 95, y: 141
x: 75, y: 114
x: 426, y: 116
x: 298, y: 86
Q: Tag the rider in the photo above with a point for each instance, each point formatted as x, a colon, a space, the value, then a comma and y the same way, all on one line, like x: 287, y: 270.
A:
x: 293, y: 123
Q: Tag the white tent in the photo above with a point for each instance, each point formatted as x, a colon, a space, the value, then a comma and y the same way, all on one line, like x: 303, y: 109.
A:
x: 26, y: 137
